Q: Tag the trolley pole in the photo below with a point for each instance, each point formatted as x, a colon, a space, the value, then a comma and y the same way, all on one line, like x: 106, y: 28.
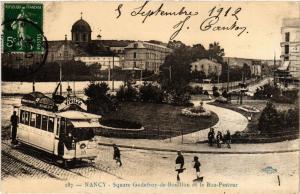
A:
x: 113, y: 66
x: 60, y: 79
x: 228, y: 75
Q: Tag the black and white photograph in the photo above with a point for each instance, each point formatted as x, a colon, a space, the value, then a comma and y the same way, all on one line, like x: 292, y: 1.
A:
x: 150, y: 97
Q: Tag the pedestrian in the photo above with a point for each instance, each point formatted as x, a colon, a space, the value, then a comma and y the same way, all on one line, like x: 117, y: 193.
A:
x: 227, y: 138
x: 211, y: 136
x: 14, y: 119
x: 117, y: 155
x: 219, y: 139
x: 197, y: 165
x: 179, y: 164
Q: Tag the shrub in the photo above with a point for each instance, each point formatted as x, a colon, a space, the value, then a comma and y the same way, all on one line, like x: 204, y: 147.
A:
x: 151, y: 93
x: 225, y: 94
x: 269, y: 119
x: 94, y: 90
x: 194, y: 90
x: 205, y: 92
x: 216, y: 94
x: 127, y: 93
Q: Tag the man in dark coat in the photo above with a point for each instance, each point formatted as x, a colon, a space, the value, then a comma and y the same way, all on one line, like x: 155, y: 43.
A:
x: 211, y: 136
x: 179, y: 164
x: 117, y: 155
x: 14, y: 119
x: 227, y: 138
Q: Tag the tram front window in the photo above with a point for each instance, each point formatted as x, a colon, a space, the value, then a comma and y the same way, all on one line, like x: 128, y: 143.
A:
x: 81, y: 134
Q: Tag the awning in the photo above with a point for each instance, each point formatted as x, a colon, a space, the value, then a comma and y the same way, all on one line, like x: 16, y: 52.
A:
x: 284, y: 66
x: 73, y: 114
x: 85, y: 124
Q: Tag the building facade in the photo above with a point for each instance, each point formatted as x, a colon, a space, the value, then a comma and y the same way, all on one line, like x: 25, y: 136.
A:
x: 290, y: 47
x: 207, y: 66
x: 106, y: 62
x: 145, y: 56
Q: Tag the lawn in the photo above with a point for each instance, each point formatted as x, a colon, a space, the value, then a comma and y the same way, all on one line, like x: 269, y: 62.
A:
x: 159, y: 120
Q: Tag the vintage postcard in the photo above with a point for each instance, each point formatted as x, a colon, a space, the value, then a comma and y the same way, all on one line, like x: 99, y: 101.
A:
x: 150, y: 97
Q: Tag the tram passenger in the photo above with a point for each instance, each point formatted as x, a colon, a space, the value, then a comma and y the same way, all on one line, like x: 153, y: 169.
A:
x: 14, y: 126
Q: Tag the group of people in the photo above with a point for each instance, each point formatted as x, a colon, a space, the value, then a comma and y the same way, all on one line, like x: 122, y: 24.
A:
x: 219, y: 138
x: 180, y: 165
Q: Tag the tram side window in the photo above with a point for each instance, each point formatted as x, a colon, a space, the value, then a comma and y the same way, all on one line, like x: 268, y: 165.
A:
x: 51, y: 124
x: 44, y: 122
x: 38, y: 121
x: 58, y: 126
x: 22, y: 117
x: 62, y: 125
x: 27, y: 114
x: 32, y: 119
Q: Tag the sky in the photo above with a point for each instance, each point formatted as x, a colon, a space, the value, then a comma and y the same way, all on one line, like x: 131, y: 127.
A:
x: 260, y: 40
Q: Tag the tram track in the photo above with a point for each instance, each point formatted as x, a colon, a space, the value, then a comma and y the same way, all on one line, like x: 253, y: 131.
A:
x: 34, y: 163
x: 33, y: 160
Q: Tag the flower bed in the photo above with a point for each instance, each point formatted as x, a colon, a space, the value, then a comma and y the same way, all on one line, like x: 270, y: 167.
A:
x: 197, y: 111
x: 248, y: 108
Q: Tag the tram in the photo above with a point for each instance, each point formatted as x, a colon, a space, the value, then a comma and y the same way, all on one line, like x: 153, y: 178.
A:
x: 63, y: 129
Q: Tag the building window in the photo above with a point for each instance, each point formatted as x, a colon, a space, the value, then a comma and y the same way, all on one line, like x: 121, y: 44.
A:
x: 66, y: 54
x: 134, y: 64
x: 287, y: 37
x: 134, y: 55
x: 84, y: 37
x: 286, y: 49
x: 135, y: 45
x: 76, y: 37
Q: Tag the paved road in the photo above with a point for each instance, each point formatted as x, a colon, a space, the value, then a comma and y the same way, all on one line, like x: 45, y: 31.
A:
x: 153, y: 167
x: 228, y: 120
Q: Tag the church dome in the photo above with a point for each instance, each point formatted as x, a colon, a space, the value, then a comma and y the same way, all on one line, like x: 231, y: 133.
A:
x: 81, y: 26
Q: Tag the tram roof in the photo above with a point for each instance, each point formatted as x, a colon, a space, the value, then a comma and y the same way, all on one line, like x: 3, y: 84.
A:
x: 73, y: 114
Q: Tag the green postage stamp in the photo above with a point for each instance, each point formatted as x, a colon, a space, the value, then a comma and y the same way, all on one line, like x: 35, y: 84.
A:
x: 23, y: 24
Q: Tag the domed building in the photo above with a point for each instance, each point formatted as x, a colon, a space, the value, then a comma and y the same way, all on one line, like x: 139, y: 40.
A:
x: 81, y: 31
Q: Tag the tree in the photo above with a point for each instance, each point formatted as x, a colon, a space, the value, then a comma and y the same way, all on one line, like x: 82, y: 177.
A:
x: 175, y: 44
x: 269, y: 119
x: 176, y: 70
x: 98, y: 101
x: 216, y: 52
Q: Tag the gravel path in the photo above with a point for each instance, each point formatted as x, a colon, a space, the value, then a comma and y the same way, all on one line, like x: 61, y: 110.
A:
x: 228, y: 120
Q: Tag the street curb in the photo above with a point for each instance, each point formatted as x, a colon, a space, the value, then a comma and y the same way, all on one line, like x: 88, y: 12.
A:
x: 199, y: 152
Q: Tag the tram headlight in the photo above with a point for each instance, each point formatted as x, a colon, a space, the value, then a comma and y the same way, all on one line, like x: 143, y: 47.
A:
x: 73, y: 144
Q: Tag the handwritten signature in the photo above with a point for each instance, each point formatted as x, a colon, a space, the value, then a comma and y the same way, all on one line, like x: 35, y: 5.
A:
x: 211, y: 22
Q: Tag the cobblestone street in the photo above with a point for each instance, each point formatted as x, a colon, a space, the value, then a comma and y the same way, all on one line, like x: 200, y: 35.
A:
x: 22, y: 163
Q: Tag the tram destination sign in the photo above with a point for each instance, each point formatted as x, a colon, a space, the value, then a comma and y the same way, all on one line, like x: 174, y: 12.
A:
x: 72, y: 101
